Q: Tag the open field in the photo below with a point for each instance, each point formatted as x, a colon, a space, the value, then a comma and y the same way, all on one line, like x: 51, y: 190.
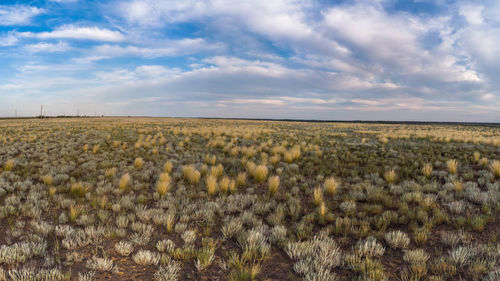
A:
x: 188, y: 199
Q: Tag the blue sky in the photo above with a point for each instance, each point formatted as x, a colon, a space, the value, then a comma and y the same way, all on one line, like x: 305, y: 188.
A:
x: 357, y: 60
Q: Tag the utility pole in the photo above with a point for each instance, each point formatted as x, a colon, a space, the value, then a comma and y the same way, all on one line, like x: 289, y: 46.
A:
x: 41, y: 110
x: 77, y: 112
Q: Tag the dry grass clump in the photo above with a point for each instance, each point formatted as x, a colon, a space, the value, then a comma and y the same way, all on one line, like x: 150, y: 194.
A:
x: 191, y: 174
x: 74, y: 212
x: 390, y: 176
x: 330, y: 185
x: 167, y: 167
x: 9, y: 165
x: 397, y: 239
x: 317, y: 196
x: 273, y: 184
x: 211, y: 184
x: 95, y: 148
x: 47, y: 179
x: 226, y: 184
x: 145, y: 257
x: 78, y: 189
x: 260, y: 173
x: 111, y: 172
x: 458, y: 185
x: 241, y: 179
x: 495, y: 168
x: 452, y: 166
x: 163, y: 184
x: 427, y: 170
x: 124, y: 248
x: 138, y: 163
x: 124, y: 181
x: 476, y: 156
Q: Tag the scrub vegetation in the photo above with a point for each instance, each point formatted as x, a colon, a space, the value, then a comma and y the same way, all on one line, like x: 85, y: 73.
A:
x: 191, y: 199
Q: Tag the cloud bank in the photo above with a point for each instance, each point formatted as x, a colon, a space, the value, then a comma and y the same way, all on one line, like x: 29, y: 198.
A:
x: 369, y: 60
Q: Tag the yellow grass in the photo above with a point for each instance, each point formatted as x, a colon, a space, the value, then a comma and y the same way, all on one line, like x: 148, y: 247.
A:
x: 390, y: 176
x: 138, y: 163
x: 330, y: 185
x: 452, y: 165
x: 124, y: 181
x: 9, y: 165
x: 317, y: 196
x: 427, y: 170
x: 495, y: 168
x: 273, y: 184
x: 211, y: 184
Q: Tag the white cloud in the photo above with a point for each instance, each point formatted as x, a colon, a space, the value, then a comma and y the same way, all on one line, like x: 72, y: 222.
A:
x: 64, y: 1
x: 18, y: 14
x: 43, y: 47
x: 8, y: 40
x: 167, y: 48
x: 472, y: 13
x: 76, y: 32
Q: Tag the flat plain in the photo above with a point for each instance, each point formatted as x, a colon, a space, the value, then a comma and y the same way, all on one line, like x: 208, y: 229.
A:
x: 193, y: 199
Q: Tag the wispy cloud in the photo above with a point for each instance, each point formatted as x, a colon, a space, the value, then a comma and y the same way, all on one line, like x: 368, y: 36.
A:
x: 44, y: 47
x: 77, y: 32
x: 166, y: 48
x: 18, y: 14
x: 9, y: 39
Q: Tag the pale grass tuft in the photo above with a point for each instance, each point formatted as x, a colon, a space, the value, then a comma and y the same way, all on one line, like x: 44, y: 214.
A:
x: 241, y: 179
x: 163, y: 185
x: 74, y: 212
x: 458, y: 185
x: 495, y: 168
x: 47, y: 180
x: 476, y: 156
x: 111, y: 172
x: 138, y: 163
x: 330, y: 185
x: 167, y: 168
x: 390, y: 176
x: 191, y: 174
x: 273, y: 184
x: 52, y: 191
x: 211, y: 184
x: 217, y: 171
x: 318, y: 196
x: 224, y: 184
x: 260, y: 173
x: 9, y: 165
x: 170, y: 222
x: 124, y: 181
x: 427, y: 170
x: 322, y: 210
x: 452, y: 165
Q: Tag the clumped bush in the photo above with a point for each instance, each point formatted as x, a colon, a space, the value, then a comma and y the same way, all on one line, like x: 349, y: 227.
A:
x: 124, y: 248
x: 397, y: 239
x: 145, y: 257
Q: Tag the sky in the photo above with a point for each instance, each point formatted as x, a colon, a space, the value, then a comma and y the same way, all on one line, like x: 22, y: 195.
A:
x: 411, y: 60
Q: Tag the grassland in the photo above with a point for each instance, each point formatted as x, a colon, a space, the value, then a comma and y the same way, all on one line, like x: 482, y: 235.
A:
x: 182, y: 199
